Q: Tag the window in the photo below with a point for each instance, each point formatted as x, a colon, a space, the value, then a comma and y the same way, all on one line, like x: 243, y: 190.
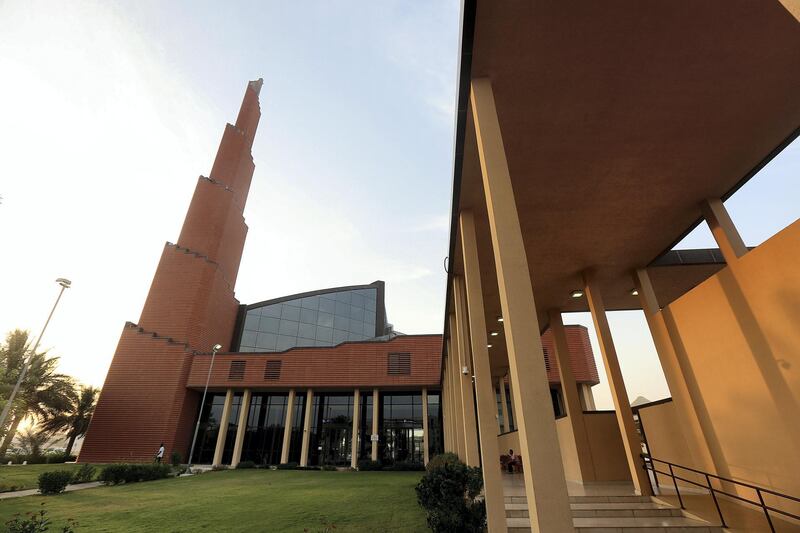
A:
x: 399, y: 364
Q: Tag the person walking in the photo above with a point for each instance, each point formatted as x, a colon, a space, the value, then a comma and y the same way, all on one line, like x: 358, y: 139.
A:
x: 160, y: 453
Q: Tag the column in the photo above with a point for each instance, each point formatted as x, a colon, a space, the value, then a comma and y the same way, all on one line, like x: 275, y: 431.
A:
x: 445, y: 403
x: 425, y: 425
x: 504, y: 406
x: 545, y: 486
x: 287, y: 428
x: 673, y: 373
x: 722, y: 228
x: 458, y: 398
x: 473, y: 458
x: 223, y: 428
x: 572, y: 400
x: 244, y: 411
x: 375, y: 412
x: 469, y: 307
x: 306, y: 428
x: 356, y: 413
x: 622, y: 406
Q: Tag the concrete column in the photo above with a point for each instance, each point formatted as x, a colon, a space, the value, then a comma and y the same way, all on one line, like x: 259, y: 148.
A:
x: 473, y: 458
x: 445, y: 402
x: 354, y: 443
x: 458, y: 399
x: 244, y: 411
x: 307, y: 428
x: 512, y: 405
x: 725, y: 233
x: 375, y: 412
x: 673, y: 373
x: 545, y: 486
x: 472, y: 309
x: 504, y: 406
x: 622, y: 406
x: 223, y: 428
x: 572, y: 400
x: 587, y: 398
x: 425, y: 425
x: 287, y: 428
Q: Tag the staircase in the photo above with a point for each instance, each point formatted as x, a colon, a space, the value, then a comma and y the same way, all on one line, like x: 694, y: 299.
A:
x: 617, y: 514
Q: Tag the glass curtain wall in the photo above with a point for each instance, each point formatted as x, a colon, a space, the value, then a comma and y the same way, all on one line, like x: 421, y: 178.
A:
x: 209, y: 428
x: 322, y: 320
x: 331, y: 430
x: 233, y: 424
x: 511, y: 423
x: 365, y: 426
x: 298, y: 419
x: 402, y: 436
x: 263, y: 438
x: 435, y: 431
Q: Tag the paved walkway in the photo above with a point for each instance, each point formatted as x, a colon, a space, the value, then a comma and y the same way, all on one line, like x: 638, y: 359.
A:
x: 31, y: 492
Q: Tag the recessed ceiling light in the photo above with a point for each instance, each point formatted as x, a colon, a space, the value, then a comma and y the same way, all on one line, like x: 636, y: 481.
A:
x: 499, y: 319
x: 577, y: 293
x: 488, y: 345
x: 494, y: 333
x: 634, y: 292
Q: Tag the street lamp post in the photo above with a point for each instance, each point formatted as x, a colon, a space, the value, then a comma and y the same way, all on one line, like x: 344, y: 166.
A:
x: 214, y: 350
x: 65, y: 284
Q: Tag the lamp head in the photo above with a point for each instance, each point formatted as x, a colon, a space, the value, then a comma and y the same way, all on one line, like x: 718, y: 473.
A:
x: 64, y: 282
x: 217, y: 347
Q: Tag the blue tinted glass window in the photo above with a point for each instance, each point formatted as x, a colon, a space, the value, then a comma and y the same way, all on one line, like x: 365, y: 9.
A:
x: 341, y: 322
x: 266, y: 341
x: 339, y: 336
x: 357, y: 313
x: 290, y: 313
x: 356, y: 327
x: 343, y: 297
x: 309, y: 316
x: 292, y: 303
x: 357, y: 300
x: 310, y: 302
x: 325, y: 319
x: 305, y: 342
x: 271, y: 310
x: 342, y: 309
x: 249, y: 338
x: 251, y: 321
x: 288, y: 327
x: 327, y: 305
x: 285, y: 342
x: 324, y: 334
x: 269, y: 324
x: 307, y: 331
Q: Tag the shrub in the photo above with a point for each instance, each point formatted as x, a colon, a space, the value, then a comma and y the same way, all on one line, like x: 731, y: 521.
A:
x: 287, y: 466
x: 175, y: 458
x: 84, y: 474
x: 37, y: 523
x: 132, y: 473
x: 441, y: 459
x: 245, y: 464
x: 329, y: 468
x: 365, y: 465
x: 54, y: 482
x: 449, y: 494
x: 405, y: 466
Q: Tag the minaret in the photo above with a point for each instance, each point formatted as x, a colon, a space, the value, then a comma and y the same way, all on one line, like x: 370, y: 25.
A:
x: 190, y: 307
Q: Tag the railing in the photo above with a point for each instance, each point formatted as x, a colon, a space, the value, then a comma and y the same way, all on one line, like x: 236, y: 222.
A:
x: 650, y: 464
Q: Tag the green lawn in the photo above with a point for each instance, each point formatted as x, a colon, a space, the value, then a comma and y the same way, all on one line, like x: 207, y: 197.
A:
x: 243, y: 501
x: 26, y: 476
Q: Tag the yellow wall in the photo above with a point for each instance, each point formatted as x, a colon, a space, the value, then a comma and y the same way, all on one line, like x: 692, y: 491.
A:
x: 508, y: 441
x: 737, y: 338
x: 605, y: 443
x: 569, y: 453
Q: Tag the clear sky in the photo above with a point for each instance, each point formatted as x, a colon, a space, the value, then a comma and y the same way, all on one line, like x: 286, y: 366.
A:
x: 111, y: 110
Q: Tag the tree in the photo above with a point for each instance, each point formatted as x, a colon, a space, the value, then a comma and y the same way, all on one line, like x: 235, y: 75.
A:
x: 74, y: 421
x: 32, y: 442
x: 44, y: 392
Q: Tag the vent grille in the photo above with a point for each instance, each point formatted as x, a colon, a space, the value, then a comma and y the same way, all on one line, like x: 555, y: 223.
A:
x: 399, y: 364
x: 547, y: 365
x: 272, y: 370
x: 236, y: 371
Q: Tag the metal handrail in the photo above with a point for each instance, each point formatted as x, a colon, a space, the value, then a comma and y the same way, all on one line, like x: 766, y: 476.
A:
x: 649, y: 464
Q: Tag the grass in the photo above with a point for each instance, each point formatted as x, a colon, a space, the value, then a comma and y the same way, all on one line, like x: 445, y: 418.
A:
x: 23, y: 477
x: 241, y: 501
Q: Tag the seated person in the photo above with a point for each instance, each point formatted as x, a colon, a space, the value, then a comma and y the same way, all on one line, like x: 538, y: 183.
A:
x: 513, y: 461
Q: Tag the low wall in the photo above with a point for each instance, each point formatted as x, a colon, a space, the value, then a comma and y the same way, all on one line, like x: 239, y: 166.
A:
x: 569, y: 453
x: 605, y: 445
x: 508, y: 441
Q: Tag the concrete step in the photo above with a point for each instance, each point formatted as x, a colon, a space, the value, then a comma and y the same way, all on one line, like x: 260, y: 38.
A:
x: 668, y: 524
x: 589, y: 510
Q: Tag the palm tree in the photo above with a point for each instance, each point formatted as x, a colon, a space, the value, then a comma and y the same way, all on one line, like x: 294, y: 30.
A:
x: 32, y: 442
x: 74, y: 421
x: 43, y: 393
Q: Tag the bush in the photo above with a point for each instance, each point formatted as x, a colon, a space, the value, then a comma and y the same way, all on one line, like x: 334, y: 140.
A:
x: 37, y: 523
x: 442, y: 459
x: 84, y: 474
x: 329, y: 468
x: 54, y: 482
x: 47, y: 458
x: 366, y: 465
x: 132, y: 473
x: 449, y: 494
x: 245, y: 464
x: 405, y: 466
x: 287, y: 466
x: 175, y: 459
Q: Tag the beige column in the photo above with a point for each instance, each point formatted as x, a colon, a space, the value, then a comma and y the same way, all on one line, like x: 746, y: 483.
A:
x: 622, y: 406
x: 458, y: 398
x: 545, y: 486
x: 587, y: 398
x: 375, y: 412
x: 287, y: 428
x: 354, y: 443
x: 472, y: 455
x: 511, y: 404
x: 445, y: 403
x: 572, y: 400
x: 470, y: 306
x: 504, y: 406
x: 244, y: 411
x: 223, y: 428
x: 425, y: 425
x: 673, y: 373
x: 724, y: 231
x: 306, y: 428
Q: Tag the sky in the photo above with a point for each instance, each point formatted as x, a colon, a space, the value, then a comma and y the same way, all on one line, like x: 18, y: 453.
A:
x: 111, y: 110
